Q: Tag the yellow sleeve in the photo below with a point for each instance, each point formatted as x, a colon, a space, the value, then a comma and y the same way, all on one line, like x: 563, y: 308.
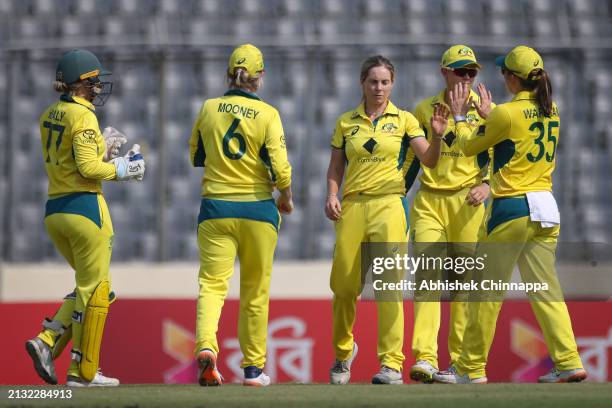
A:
x: 196, y: 143
x: 413, y: 128
x: 494, y: 130
x: 86, y: 143
x: 338, y: 138
x: 277, y: 152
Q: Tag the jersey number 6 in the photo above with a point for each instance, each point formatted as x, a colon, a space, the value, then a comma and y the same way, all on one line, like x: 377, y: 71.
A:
x: 232, y: 134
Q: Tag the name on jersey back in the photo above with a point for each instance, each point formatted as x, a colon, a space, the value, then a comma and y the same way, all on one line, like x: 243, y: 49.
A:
x: 56, y: 114
x: 236, y: 109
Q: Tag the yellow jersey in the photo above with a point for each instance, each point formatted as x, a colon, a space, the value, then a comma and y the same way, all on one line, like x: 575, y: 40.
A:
x: 239, y: 139
x: 454, y: 170
x: 73, y: 147
x: 524, y: 144
x: 380, y: 160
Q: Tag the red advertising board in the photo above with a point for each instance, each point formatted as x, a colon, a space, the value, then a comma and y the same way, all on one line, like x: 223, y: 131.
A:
x: 152, y: 341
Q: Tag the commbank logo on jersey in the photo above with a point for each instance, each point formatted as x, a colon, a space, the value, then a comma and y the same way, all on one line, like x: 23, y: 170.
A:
x: 369, y: 145
x: 449, y: 138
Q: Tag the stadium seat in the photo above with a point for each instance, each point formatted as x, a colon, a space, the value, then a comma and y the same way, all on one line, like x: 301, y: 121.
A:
x: 310, y: 85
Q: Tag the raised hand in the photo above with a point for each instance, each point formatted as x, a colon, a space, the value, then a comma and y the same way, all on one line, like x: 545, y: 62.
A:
x: 484, y: 107
x: 460, y: 100
x: 439, y: 120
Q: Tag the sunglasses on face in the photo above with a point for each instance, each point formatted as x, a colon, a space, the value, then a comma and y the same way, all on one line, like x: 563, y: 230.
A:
x: 462, y: 72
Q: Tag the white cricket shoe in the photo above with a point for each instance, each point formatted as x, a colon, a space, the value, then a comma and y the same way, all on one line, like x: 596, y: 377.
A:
x: 563, y: 376
x: 387, y: 375
x: 452, y: 377
x: 340, y: 373
x: 42, y: 356
x: 255, y: 377
x: 100, y: 380
x: 423, y: 371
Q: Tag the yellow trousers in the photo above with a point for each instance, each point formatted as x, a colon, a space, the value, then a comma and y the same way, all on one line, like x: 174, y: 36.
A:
x: 441, y: 217
x: 220, y: 241
x: 88, y: 248
x: 366, y: 219
x: 526, y: 243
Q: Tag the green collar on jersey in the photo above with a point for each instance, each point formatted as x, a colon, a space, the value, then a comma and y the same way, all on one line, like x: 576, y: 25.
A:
x: 240, y: 92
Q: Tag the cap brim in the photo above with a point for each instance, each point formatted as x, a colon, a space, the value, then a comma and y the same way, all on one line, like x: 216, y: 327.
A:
x: 463, y: 64
x: 501, y: 61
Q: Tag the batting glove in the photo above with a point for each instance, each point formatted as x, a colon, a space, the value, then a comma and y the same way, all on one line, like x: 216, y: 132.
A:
x: 131, y: 166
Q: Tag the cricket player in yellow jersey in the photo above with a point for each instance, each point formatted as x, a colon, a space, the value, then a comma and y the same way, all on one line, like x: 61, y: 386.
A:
x: 239, y: 140
x: 448, y: 208
x: 77, y: 159
x: 523, y: 219
x: 373, y: 147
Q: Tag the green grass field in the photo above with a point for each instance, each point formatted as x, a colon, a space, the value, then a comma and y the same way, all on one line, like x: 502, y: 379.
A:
x: 289, y: 395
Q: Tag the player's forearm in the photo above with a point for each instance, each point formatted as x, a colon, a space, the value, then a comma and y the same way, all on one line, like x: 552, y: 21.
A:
x: 283, y: 178
x: 432, y: 154
x: 89, y: 164
x: 335, y: 171
x: 97, y: 170
x: 286, y: 192
x: 334, y: 179
x: 280, y: 166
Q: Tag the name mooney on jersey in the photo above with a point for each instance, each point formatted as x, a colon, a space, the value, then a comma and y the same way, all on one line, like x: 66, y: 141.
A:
x: 236, y: 109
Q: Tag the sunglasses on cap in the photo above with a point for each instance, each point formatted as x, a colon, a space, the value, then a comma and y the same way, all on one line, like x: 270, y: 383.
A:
x: 462, y: 72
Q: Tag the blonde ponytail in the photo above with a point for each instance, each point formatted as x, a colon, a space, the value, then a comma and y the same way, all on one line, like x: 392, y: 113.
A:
x: 61, y: 87
x: 241, y: 79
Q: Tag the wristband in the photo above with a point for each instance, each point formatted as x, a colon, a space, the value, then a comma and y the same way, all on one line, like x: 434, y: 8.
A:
x: 459, y: 118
